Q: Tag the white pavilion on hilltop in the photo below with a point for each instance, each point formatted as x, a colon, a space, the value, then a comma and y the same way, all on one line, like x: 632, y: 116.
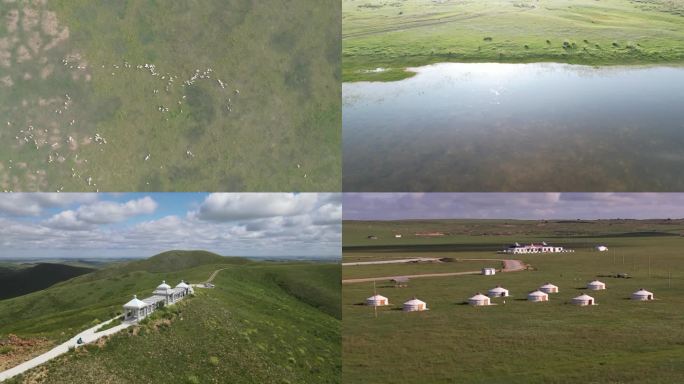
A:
x: 163, y: 295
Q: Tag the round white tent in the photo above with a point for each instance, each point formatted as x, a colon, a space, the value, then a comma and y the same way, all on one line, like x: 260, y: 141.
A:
x: 584, y: 300
x: 601, y: 248
x: 596, y: 285
x: 537, y: 296
x: 415, y: 305
x: 498, y: 291
x: 377, y: 301
x: 642, y: 295
x: 549, y: 288
x: 479, y: 300
x: 488, y: 271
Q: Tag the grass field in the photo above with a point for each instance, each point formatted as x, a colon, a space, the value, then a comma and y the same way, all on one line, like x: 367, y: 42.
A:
x: 617, y: 341
x: 149, y: 96
x: 264, y: 322
x: 394, y: 35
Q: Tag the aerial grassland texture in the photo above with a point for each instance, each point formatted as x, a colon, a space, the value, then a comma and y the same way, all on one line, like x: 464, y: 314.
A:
x: 394, y: 35
x: 516, y: 341
x: 136, y: 95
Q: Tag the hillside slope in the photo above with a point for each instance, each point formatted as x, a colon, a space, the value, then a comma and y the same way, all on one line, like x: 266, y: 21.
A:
x: 264, y: 322
x: 20, y: 281
x: 247, y: 330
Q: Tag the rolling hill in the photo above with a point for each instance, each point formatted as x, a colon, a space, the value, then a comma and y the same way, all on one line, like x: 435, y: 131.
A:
x: 264, y: 322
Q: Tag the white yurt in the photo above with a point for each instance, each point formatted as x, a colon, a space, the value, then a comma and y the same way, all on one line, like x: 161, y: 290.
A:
x: 498, y: 291
x: 537, y: 296
x: 642, y: 295
x: 584, y: 300
x: 415, y: 305
x: 596, y: 285
x: 488, y: 271
x: 377, y: 301
x: 601, y: 248
x: 549, y: 288
x: 479, y: 300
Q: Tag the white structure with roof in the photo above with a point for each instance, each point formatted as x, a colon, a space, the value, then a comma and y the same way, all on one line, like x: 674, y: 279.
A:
x: 162, y: 296
x: 498, y: 291
x: 479, y: 300
x: 596, y: 285
x: 642, y: 295
x: 377, y: 301
x: 537, y: 296
x: 549, y: 288
x: 534, y: 248
x: 601, y: 248
x: 488, y: 271
x: 414, y: 305
x: 584, y: 300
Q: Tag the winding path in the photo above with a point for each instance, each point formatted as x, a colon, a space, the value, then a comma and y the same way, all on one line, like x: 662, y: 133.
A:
x: 88, y: 336
x: 508, y: 266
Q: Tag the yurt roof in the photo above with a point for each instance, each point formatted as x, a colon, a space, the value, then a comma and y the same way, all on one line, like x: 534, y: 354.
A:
x: 414, y: 301
x: 163, y: 285
x: 479, y: 296
x: 498, y: 288
x: 182, y: 285
x: 377, y: 297
x: 584, y: 297
x: 548, y: 285
x: 537, y: 293
x: 135, y: 303
x: 596, y: 282
x: 642, y: 292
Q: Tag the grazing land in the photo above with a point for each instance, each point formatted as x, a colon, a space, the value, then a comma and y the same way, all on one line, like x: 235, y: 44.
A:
x: 155, y: 96
x: 263, y: 322
x: 382, y: 38
x: 619, y: 340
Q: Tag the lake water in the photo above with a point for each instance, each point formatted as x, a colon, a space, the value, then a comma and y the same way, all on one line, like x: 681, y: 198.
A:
x: 516, y: 127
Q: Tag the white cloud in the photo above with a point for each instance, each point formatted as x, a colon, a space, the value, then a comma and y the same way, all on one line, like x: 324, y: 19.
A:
x: 106, y: 212
x: 251, y: 225
x: 246, y: 206
x: 33, y: 204
x: 101, y: 212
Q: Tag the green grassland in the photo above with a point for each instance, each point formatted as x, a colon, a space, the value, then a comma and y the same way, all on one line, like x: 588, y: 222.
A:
x: 264, y: 322
x: 394, y: 35
x: 20, y: 280
x: 79, y: 114
x: 617, y: 341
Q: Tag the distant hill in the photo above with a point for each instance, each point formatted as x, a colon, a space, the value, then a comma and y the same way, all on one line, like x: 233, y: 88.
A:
x: 20, y: 281
x: 177, y: 260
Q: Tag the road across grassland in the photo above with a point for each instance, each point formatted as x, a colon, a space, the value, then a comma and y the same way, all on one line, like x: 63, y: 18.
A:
x: 508, y: 266
x: 88, y: 336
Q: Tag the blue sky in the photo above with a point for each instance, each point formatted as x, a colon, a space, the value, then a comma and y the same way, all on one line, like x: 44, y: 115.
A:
x: 536, y: 206
x: 91, y: 225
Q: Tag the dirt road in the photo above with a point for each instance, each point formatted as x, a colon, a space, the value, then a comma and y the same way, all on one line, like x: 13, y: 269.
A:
x: 508, y: 266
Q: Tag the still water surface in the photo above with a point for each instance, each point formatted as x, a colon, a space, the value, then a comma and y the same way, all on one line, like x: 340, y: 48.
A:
x: 517, y: 127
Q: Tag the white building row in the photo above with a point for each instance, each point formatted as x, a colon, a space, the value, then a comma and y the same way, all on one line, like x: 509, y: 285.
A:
x: 534, y: 248
x: 163, y: 295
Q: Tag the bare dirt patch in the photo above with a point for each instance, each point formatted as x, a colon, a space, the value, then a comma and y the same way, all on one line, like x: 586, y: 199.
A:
x: 16, y: 350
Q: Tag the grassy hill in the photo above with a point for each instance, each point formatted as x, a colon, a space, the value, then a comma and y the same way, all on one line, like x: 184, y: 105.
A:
x: 397, y: 34
x: 264, y: 322
x: 619, y: 341
x: 20, y: 281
